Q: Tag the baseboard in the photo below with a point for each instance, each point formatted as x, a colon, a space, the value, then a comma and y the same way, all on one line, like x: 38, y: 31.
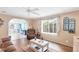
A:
x: 58, y: 43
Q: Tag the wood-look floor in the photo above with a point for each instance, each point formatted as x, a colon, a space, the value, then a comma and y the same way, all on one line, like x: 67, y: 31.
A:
x: 22, y: 46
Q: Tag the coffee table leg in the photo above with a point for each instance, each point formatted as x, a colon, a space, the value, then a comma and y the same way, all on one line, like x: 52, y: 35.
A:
x: 42, y: 49
x: 47, y: 46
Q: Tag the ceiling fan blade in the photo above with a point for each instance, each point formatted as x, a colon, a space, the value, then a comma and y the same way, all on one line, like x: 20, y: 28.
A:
x: 35, y: 9
x: 34, y: 13
x: 29, y: 9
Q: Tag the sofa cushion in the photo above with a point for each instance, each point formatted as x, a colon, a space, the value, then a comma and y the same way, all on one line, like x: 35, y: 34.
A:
x: 6, y: 44
x: 9, y: 48
x: 0, y: 43
x: 1, y: 50
x: 5, y: 39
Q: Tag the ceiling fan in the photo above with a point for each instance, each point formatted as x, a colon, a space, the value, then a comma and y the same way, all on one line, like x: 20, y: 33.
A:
x: 29, y: 10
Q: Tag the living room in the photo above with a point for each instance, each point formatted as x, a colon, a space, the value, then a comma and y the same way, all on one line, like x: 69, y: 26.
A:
x: 60, y: 35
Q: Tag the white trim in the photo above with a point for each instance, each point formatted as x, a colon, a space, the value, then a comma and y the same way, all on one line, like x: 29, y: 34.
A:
x: 49, y: 32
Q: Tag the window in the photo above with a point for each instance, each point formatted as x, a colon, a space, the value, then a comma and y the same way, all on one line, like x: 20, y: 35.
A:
x: 49, y: 26
x: 69, y: 24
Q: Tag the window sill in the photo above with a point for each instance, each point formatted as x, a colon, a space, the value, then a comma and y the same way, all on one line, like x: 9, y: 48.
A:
x: 49, y: 33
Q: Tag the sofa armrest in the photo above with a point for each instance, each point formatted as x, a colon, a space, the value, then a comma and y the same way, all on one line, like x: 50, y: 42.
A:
x: 1, y: 50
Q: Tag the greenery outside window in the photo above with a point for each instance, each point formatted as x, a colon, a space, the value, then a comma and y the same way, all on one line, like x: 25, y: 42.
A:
x: 49, y: 26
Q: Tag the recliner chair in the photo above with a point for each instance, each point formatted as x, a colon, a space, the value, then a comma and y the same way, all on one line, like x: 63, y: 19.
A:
x: 31, y: 34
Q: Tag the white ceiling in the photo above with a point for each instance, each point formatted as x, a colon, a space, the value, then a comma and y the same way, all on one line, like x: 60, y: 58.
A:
x: 43, y: 11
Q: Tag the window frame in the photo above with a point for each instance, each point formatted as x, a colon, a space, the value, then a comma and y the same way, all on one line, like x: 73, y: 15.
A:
x: 54, y: 20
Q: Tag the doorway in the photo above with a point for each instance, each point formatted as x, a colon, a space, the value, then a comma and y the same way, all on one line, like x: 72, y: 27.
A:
x: 17, y: 28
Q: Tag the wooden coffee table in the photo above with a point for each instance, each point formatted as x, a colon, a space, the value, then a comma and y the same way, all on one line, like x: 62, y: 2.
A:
x: 39, y: 45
